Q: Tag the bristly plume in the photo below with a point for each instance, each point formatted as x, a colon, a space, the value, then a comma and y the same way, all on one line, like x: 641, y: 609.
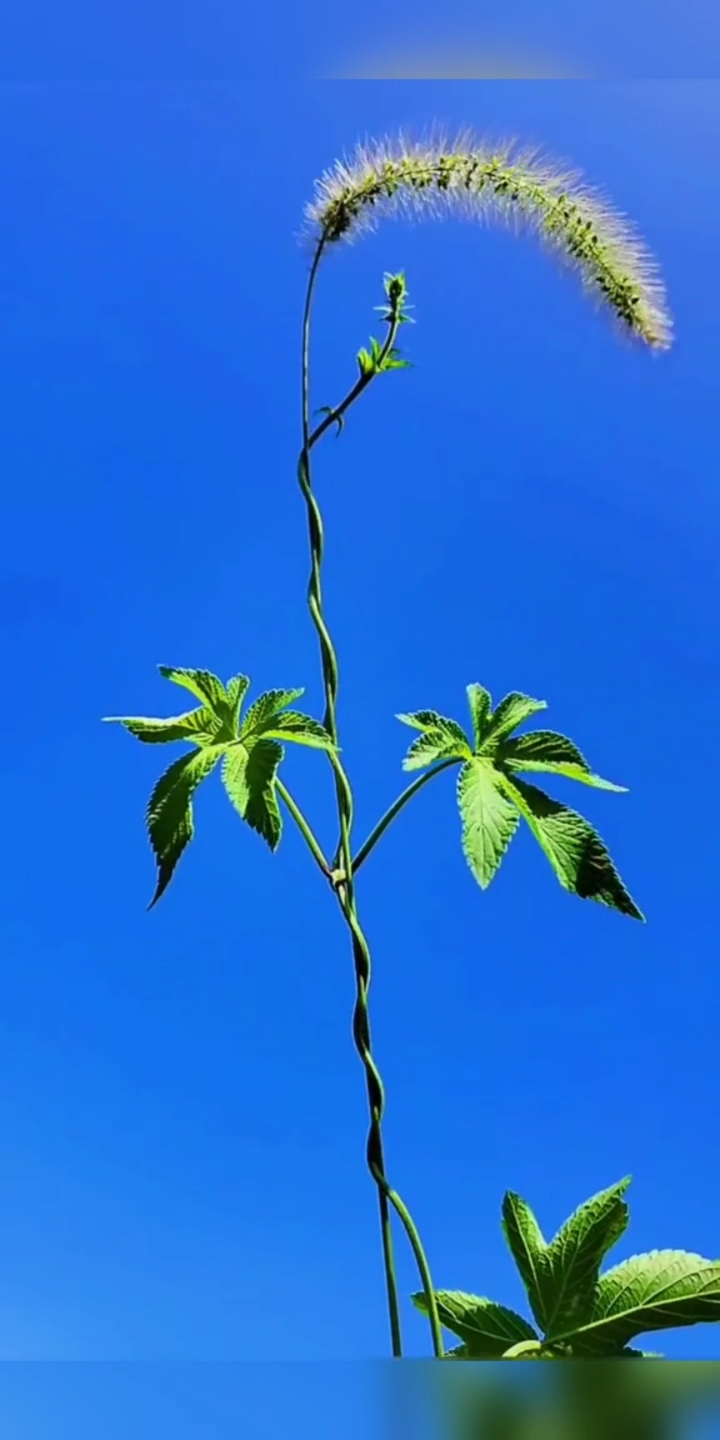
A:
x: 472, y: 179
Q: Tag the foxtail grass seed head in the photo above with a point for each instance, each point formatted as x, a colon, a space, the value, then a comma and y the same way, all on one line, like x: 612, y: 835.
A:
x: 519, y: 188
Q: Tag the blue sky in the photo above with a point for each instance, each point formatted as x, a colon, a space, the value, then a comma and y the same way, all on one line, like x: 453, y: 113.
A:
x: 532, y: 506
x: 210, y: 43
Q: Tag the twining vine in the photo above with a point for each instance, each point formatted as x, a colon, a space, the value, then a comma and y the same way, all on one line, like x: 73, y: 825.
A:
x: 579, y: 1311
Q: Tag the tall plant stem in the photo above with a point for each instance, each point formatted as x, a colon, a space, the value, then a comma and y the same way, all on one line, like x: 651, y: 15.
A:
x: 345, y: 889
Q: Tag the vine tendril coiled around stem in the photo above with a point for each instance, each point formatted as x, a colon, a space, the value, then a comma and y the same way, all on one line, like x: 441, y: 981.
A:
x: 345, y: 889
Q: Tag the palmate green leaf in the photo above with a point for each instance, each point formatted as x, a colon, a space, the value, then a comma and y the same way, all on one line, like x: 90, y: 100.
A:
x: 250, y: 769
x: 200, y: 726
x: 489, y: 820
x: 486, y: 1329
x: 248, y: 774
x: 662, y: 1290
x: 545, y: 750
x: 573, y: 847
x: 492, y: 799
x: 169, y: 812
x: 440, y: 739
x: 511, y: 712
x: 571, y: 1263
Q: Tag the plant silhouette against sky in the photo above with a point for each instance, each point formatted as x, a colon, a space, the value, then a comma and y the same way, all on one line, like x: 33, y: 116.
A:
x: 575, y: 1307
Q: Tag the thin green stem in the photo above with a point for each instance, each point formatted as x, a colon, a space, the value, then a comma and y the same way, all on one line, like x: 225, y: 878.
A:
x: 394, y: 810
x: 357, y: 389
x: 392, y: 1196
x: 361, y: 954
x: 303, y: 826
x: 344, y: 885
x: 424, y: 1271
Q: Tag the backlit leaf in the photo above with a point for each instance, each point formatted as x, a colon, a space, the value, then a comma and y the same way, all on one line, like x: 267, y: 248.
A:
x: 511, y: 712
x: 265, y: 708
x: 262, y: 811
x: 571, y: 1264
x: 169, y: 813
x: 432, y: 746
x: 486, y: 1329
x: 430, y: 721
x: 440, y: 739
x: 301, y: 729
x: 574, y: 848
x: 528, y: 1248
x: 489, y: 820
x: 545, y: 750
x: 658, y: 1291
x: 234, y: 776
x: 248, y: 775
x: 200, y: 726
x: 236, y: 690
x: 202, y: 683
x: 480, y: 707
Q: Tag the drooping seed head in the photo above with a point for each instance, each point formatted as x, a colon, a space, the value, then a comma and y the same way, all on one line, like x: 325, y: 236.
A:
x: 467, y: 178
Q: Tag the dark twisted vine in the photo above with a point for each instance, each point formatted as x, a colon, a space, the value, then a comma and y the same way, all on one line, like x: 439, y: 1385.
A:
x: 465, y: 177
x: 342, y: 878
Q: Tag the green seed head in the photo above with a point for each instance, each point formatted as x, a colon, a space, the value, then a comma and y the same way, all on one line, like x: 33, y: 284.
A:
x: 433, y: 178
